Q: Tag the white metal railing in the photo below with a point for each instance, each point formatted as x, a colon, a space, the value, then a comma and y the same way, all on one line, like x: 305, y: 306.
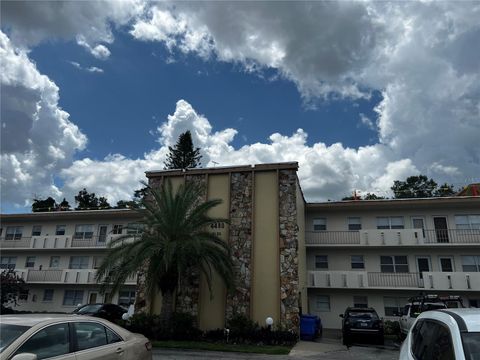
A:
x: 44, y: 275
x: 332, y: 237
x: 23, y: 242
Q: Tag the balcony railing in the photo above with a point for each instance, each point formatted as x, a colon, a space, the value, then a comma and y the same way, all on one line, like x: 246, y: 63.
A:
x: 393, y: 237
x: 57, y: 242
x: 23, y: 242
x: 443, y: 281
x: 95, y: 241
x: 44, y: 275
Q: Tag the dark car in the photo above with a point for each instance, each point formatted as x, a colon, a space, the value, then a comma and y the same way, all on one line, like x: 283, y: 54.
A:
x: 110, y: 312
x: 361, y: 322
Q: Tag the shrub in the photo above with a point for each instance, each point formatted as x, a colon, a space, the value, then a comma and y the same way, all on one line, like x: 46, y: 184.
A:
x: 182, y: 327
x: 391, y: 328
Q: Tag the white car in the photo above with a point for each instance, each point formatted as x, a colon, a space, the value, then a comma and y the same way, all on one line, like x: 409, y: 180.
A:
x: 68, y: 337
x: 449, y: 334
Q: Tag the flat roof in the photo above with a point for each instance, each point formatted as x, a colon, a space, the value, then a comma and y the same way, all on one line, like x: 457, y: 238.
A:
x: 223, y: 169
x: 389, y: 203
x: 71, y: 214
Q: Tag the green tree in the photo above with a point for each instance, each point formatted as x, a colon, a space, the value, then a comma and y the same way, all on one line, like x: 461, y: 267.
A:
x: 10, y: 287
x: 372, y: 196
x: 48, y: 204
x: 444, y: 190
x: 86, y: 201
x: 175, y: 242
x: 64, y: 205
x: 414, y: 187
x: 183, y: 155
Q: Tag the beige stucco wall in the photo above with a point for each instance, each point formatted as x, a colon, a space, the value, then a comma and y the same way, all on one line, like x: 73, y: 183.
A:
x: 212, y: 309
x: 266, y: 274
x: 302, y: 254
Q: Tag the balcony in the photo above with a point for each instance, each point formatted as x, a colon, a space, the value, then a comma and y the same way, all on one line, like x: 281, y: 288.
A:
x: 68, y: 276
x: 56, y: 242
x: 456, y: 281
x: 397, y: 237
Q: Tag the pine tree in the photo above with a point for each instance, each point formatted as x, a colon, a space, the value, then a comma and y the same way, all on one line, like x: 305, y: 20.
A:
x: 183, y: 155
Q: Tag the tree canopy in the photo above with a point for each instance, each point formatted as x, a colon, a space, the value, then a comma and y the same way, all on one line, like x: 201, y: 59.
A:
x: 49, y: 204
x: 183, y: 155
x: 175, y: 242
x: 10, y: 287
x: 89, y: 201
x: 420, y: 187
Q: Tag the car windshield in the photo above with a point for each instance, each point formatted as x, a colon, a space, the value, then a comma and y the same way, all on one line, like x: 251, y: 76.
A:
x: 8, y: 334
x: 363, y: 315
x: 89, y: 309
x: 471, y: 345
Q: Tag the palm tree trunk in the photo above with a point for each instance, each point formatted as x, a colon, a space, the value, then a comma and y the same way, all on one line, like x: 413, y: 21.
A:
x: 167, y: 308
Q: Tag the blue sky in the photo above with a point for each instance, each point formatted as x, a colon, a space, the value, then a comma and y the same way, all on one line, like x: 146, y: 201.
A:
x: 359, y: 93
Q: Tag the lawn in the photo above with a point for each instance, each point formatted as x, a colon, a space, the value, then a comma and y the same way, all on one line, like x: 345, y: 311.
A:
x: 202, y: 345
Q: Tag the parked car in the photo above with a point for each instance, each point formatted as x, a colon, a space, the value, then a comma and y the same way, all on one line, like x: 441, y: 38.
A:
x: 110, y: 312
x: 418, y: 304
x: 445, y: 335
x: 361, y: 322
x: 68, y: 337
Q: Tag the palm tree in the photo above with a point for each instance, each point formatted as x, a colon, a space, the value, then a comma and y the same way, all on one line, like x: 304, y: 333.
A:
x: 175, y: 240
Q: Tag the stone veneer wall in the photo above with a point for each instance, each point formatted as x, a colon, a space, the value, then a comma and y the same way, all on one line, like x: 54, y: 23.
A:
x: 240, y: 241
x: 289, y: 287
x: 188, y: 290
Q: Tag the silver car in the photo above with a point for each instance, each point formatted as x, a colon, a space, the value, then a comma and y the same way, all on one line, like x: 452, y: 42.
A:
x: 68, y: 337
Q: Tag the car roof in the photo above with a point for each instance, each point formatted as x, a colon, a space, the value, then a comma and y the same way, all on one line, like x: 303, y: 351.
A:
x: 369, y: 309
x: 34, y: 319
x: 467, y: 319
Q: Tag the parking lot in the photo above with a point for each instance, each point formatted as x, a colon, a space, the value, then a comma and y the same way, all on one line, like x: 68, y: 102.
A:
x: 326, y: 349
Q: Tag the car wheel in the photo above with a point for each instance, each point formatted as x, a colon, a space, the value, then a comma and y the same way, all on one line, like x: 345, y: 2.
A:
x: 346, y: 340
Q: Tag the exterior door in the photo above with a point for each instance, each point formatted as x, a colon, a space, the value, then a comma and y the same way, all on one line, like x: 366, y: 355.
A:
x: 441, y: 229
x: 423, y: 265
x: 92, y: 297
x: 446, y: 264
x: 102, y: 234
x: 419, y: 223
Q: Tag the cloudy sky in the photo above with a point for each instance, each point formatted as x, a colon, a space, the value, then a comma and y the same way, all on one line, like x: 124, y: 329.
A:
x: 359, y: 93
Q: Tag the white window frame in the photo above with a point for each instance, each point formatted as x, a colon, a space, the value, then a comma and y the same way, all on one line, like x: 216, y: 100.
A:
x: 389, y: 223
x: 322, y: 303
x: 30, y: 264
x: 117, y: 229
x: 357, y: 261
x: 14, y: 233
x: 320, y: 224
x: 77, y: 298
x: 470, y: 222
x: 83, y: 232
x: 354, y: 223
x: 36, y: 230
x: 51, y: 292
x: 321, y: 262
x: 51, y: 261
x: 135, y: 228
x: 476, y: 263
x: 8, y: 262
x: 61, y: 230
x: 394, y: 264
x: 131, y: 297
x: 79, y: 262
x: 360, y: 299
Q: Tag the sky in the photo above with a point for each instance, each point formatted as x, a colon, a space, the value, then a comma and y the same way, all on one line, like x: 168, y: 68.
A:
x: 359, y: 93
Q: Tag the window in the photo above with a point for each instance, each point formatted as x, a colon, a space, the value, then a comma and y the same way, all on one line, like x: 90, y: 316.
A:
x: 393, y: 305
x: 321, y: 262
x: 48, y: 295
x: 358, y: 262
x: 49, y: 342
x: 390, y: 222
x: 8, y: 262
x: 360, y: 301
x: 54, y: 261
x: 23, y: 295
x: 134, y: 228
x: 467, y: 222
x: 475, y: 303
x: 60, y: 230
x: 431, y: 340
x: 97, y: 261
x: 37, y: 230
x: 117, y: 229
x: 322, y: 303
x: 354, y: 224
x: 112, y: 337
x: 446, y: 264
x: 14, y: 233
x: 30, y: 262
x: 90, y: 335
x: 471, y: 263
x: 393, y: 264
x: 78, y: 262
x: 319, y: 224
x: 125, y: 298
x: 73, y: 297
x: 83, y: 232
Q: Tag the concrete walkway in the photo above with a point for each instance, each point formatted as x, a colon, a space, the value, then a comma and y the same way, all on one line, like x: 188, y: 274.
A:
x: 309, y: 348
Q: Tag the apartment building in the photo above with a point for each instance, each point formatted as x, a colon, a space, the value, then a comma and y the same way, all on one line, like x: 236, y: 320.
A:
x: 56, y: 253
x: 381, y: 252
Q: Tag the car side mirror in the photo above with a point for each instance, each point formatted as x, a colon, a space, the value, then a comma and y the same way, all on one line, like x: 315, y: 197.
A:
x: 341, y: 315
x: 25, y: 356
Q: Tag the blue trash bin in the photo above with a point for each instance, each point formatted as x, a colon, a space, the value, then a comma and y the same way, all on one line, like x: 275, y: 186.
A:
x: 309, y: 327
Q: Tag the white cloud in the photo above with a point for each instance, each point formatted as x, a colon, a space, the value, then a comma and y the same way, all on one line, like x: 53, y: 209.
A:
x: 38, y: 138
x: 101, y: 52
x: 91, y: 69
x: 94, y: 69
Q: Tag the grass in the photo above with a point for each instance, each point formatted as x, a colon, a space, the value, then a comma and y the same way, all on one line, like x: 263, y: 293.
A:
x: 202, y: 345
